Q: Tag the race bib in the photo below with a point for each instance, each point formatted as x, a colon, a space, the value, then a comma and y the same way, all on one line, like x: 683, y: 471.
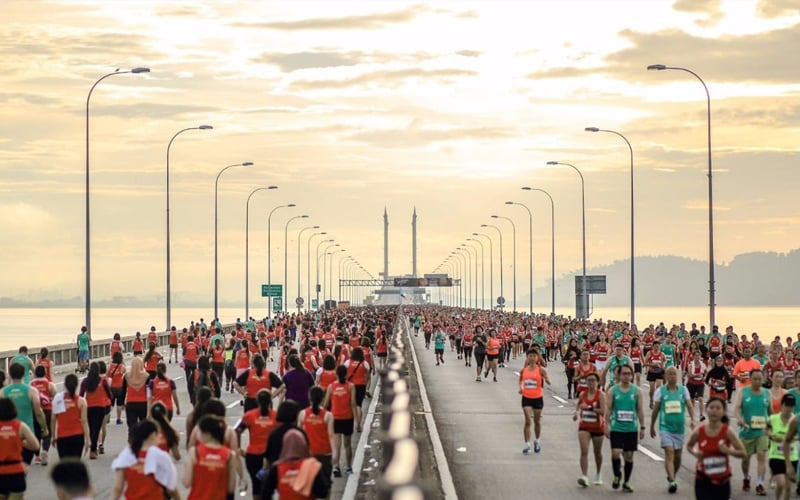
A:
x: 589, y: 416
x: 715, y: 465
x: 758, y: 422
x: 530, y: 384
x: 624, y: 416
x: 671, y: 407
x: 720, y: 388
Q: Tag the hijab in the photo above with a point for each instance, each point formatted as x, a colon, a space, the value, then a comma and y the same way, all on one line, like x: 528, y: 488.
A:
x: 295, y: 447
x: 137, y: 376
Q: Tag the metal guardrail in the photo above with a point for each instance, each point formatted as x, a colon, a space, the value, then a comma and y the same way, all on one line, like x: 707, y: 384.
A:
x: 399, y: 480
x: 66, y: 354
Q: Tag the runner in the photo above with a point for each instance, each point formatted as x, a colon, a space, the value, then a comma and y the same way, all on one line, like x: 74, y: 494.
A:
x: 68, y: 422
x: 173, y: 344
x: 531, y: 386
x: 467, y: 344
x: 695, y: 373
x: 83, y: 350
x: 711, y: 444
x: 669, y: 408
x: 317, y: 422
x: 162, y: 389
x: 590, y: 410
x: 439, y: 340
x: 751, y: 409
x: 612, y: 365
x: 129, y: 467
x: 655, y: 362
x: 47, y: 390
x: 623, y: 409
x: 341, y: 399
x: 16, y: 439
x: 480, y: 351
x: 27, y: 402
x: 492, y: 354
x: 778, y: 458
x: 259, y: 422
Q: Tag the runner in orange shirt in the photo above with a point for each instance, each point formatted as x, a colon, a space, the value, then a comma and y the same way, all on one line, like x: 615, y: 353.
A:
x: 743, y: 367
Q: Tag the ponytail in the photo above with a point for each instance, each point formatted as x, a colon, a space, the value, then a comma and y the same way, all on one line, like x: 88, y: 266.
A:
x: 71, y: 384
x: 140, y: 433
x: 161, y: 371
x: 341, y: 373
x: 264, y: 402
x: 315, y: 395
x: 258, y: 364
x: 159, y: 414
x: 214, y: 427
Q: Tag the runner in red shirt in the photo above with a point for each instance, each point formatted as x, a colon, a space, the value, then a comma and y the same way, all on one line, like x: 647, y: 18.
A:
x: 14, y: 436
x: 342, y: 398
x: 47, y: 390
x: 131, y: 479
x: 45, y: 361
x: 173, y: 344
x: 209, y: 470
x: 152, y: 336
x: 259, y: 422
x: 116, y: 344
x: 162, y: 389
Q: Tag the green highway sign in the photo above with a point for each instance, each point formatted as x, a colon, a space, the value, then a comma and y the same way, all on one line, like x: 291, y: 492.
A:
x: 277, y: 304
x: 314, y: 303
x: 272, y: 290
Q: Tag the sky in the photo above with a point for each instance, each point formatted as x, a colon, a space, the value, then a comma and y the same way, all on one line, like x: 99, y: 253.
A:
x: 353, y: 107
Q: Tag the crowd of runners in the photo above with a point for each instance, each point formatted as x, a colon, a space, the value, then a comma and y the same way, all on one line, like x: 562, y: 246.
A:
x: 717, y: 395
x: 298, y: 419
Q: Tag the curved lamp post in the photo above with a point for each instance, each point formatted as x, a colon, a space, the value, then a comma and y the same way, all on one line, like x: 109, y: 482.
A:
x: 269, y: 251
x: 552, y: 247
x: 247, y: 249
x: 299, y: 238
x: 530, y: 247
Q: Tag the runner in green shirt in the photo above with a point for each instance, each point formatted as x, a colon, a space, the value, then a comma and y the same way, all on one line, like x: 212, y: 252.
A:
x: 618, y: 359
x: 623, y: 410
x: 670, y: 404
x: 777, y: 430
x: 83, y: 349
x: 439, y: 340
x: 751, y: 410
x: 23, y: 359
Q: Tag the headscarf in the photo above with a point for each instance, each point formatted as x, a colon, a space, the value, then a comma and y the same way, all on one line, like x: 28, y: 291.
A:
x: 137, y: 376
x: 295, y: 447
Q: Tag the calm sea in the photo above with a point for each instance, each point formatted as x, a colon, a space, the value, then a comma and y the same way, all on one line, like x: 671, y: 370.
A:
x: 47, y: 327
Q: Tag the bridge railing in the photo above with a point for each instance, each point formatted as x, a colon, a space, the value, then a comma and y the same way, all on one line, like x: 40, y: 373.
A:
x: 66, y: 354
x: 400, y: 478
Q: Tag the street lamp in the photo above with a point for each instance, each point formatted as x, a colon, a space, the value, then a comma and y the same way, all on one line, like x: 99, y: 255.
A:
x: 247, y: 249
x: 216, y: 235
x: 491, y: 267
x: 169, y: 288
x: 711, y: 282
x: 286, y: 261
x: 483, y: 271
x: 468, y: 268
x: 318, y: 287
x: 530, y: 247
x: 330, y: 272
x: 500, y: 234
x: 299, y: 237
x: 585, y: 307
x: 308, y: 266
x: 269, y: 252
x: 343, y: 272
x: 514, y: 254
x: 633, y: 281
x: 465, y: 245
x: 552, y: 247
x: 88, y: 252
x: 457, y: 263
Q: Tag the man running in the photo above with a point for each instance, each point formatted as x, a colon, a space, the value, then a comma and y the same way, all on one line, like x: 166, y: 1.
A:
x: 618, y: 359
x: 439, y: 340
x: 751, y: 410
x: 670, y: 403
x: 623, y: 410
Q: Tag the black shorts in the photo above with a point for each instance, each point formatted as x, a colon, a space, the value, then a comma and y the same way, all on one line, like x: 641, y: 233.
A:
x: 492, y: 357
x: 652, y: 377
x: 438, y: 351
x: 696, y: 390
x: 361, y: 392
x: 27, y: 456
x: 637, y: 368
x: 327, y: 465
x: 12, y: 483
x: 382, y: 354
x: 778, y: 466
x: 117, y: 396
x: 173, y: 346
x: 536, y: 404
x: 625, y: 441
x: 343, y: 427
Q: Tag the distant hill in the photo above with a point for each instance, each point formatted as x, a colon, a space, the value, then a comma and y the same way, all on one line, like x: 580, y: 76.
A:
x: 751, y: 279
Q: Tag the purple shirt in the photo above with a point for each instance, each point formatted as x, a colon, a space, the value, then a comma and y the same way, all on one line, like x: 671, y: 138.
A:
x: 297, y: 383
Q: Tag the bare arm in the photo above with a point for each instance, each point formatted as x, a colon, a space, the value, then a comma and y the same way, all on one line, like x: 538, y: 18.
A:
x: 119, y: 483
x: 29, y: 441
x: 37, y: 410
x: 188, y: 468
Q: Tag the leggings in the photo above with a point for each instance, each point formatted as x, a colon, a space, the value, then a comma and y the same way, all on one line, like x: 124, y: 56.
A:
x: 467, y: 353
x: 572, y: 384
x: 37, y: 430
x: 480, y: 357
x: 135, y: 412
x: 70, y: 447
x: 219, y: 368
x: 95, y: 416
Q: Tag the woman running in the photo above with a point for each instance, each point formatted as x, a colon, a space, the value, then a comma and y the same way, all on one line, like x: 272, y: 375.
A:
x: 776, y: 391
x: 15, y: 436
x: 210, y: 468
x: 168, y: 439
x: 142, y: 470
x: 116, y: 378
x: 589, y: 411
x: 342, y: 398
x: 531, y: 386
x: 695, y: 380
x: 776, y: 431
x: 285, y: 476
x: 317, y: 422
x: 96, y: 391
x: 162, y: 389
x: 255, y: 379
x: 358, y: 370
x: 47, y: 390
x: 712, y: 443
x: 69, y: 423
x: 259, y: 422
x: 136, y: 393
x: 151, y: 361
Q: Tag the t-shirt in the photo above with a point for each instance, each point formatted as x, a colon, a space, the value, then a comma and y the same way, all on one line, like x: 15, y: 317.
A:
x: 480, y: 344
x: 439, y: 340
x: 672, y: 412
x: 83, y: 341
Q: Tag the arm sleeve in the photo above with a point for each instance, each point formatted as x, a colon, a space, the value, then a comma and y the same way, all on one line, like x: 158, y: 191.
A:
x: 242, y: 379
x: 657, y: 395
x: 270, y: 483
x: 82, y: 391
x: 686, y: 395
x: 275, y: 380
x: 321, y: 486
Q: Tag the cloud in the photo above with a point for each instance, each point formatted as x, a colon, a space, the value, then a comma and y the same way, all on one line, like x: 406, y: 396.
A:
x: 754, y: 57
x: 777, y: 8
x: 469, y: 53
x: 364, y: 22
x: 305, y: 60
x: 387, y: 78
x: 414, y: 137
x: 711, y: 8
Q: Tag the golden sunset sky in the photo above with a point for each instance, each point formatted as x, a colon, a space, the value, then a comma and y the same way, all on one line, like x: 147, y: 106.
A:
x: 350, y: 107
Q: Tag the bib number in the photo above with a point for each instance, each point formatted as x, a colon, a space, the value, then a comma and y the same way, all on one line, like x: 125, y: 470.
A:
x: 530, y: 384
x: 589, y: 416
x: 672, y: 407
x: 624, y: 416
x: 758, y: 422
x: 715, y: 465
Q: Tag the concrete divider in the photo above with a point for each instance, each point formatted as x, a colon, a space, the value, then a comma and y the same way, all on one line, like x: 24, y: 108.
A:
x: 66, y: 354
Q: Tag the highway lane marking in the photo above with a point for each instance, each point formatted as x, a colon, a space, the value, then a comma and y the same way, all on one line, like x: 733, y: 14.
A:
x: 650, y: 454
x: 235, y: 403
x: 445, y: 476
x: 178, y: 377
x: 559, y: 399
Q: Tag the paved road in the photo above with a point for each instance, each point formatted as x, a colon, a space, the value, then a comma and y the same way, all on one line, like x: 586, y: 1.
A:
x: 39, y: 486
x: 480, y: 428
